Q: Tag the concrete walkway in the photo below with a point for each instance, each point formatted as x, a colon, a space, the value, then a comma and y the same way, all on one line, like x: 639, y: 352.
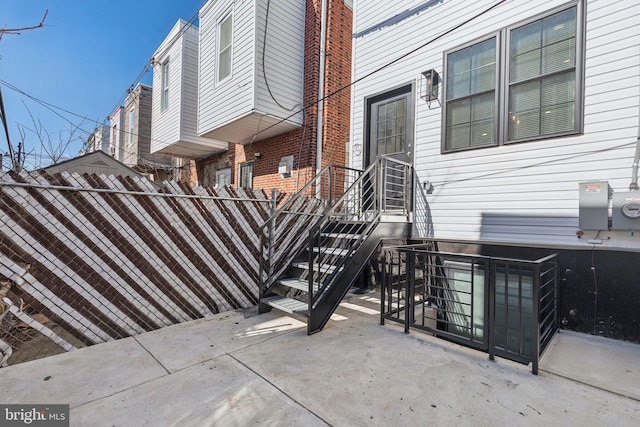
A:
x: 240, y: 368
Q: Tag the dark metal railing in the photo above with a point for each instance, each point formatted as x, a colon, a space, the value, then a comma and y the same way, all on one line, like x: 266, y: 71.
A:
x: 507, y: 307
x: 284, y: 234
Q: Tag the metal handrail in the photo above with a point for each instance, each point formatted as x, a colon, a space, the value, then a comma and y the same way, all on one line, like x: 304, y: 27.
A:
x: 363, y: 200
x: 311, y: 193
x: 366, y: 199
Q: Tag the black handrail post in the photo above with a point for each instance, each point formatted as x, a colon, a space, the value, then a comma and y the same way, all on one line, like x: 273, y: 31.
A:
x: 410, y: 276
x: 492, y: 310
x: 274, y: 198
x: 383, y: 292
x: 535, y: 324
x: 310, y: 259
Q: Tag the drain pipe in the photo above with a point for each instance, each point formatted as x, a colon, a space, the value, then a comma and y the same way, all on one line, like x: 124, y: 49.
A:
x: 634, y: 169
x: 636, y: 160
x: 321, y: 73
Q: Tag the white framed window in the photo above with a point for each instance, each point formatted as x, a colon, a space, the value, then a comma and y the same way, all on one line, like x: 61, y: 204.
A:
x: 132, y: 122
x: 246, y: 175
x: 522, y: 83
x: 225, y: 47
x: 164, y: 90
x: 223, y: 177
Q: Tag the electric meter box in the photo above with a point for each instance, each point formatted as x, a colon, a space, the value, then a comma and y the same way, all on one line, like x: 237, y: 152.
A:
x: 626, y: 211
x: 594, y: 205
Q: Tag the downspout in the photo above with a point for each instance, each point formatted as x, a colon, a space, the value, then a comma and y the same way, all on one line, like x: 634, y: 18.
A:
x: 321, y: 73
x: 636, y: 159
x: 634, y: 169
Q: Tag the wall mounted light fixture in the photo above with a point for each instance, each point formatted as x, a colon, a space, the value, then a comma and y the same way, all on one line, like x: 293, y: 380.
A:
x: 430, y: 90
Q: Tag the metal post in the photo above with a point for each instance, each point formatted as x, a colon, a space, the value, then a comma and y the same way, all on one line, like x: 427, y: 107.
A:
x: 310, y: 259
x: 535, y: 324
x: 383, y: 292
x: 492, y: 310
x: 274, y: 198
x: 410, y: 277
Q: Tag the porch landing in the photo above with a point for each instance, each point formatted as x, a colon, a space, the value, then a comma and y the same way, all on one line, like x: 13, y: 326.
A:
x: 220, y: 371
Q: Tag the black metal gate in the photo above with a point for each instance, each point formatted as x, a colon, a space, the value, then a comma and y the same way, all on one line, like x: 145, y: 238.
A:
x: 506, y: 307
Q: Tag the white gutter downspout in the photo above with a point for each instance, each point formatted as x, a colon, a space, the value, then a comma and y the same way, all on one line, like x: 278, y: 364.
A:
x: 636, y: 160
x: 634, y: 169
x: 321, y: 72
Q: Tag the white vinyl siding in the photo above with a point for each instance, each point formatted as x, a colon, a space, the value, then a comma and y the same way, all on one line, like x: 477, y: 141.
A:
x: 174, y: 129
x: 242, y: 101
x: 524, y: 193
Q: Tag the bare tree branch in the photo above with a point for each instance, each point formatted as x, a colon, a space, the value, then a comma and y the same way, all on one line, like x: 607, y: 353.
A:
x: 17, y: 31
x: 54, y: 150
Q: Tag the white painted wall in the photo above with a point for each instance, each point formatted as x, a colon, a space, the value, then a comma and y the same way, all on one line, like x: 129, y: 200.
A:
x: 116, y: 134
x: 245, y: 92
x: 523, y: 193
x: 174, y: 130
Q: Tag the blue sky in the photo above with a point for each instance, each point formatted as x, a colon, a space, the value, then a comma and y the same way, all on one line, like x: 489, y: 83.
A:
x: 83, y: 60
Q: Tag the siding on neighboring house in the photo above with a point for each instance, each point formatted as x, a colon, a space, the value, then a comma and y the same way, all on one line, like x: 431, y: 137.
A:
x: 174, y: 129
x: 116, y: 134
x: 99, y: 139
x: 244, y: 94
x: 522, y: 193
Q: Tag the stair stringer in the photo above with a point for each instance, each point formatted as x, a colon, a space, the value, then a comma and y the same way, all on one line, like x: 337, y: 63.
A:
x: 331, y: 299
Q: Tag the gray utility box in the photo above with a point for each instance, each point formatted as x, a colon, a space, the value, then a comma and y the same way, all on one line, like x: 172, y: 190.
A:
x: 594, y: 205
x: 626, y: 211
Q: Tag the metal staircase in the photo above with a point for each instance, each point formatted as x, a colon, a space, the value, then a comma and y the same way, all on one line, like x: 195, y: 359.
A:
x: 315, y: 246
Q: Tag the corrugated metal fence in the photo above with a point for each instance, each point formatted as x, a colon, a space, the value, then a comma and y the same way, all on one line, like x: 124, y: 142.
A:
x: 88, y: 259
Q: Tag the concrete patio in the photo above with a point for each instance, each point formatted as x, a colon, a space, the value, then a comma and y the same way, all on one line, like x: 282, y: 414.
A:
x: 241, y: 368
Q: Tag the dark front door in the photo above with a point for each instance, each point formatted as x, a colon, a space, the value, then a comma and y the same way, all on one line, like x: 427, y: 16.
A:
x: 390, y: 134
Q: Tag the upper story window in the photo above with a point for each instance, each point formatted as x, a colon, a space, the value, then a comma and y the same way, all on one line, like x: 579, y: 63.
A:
x: 225, y: 38
x: 132, y: 121
x: 533, y: 95
x: 164, y: 90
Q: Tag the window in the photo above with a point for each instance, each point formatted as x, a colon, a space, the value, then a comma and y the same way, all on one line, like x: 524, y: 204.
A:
x: 471, y: 96
x: 246, y: 175
x: 225, y: 37
x: 223, y: 177
x: 132, y: 121
x: 533, y: 96
x: 164, y: 94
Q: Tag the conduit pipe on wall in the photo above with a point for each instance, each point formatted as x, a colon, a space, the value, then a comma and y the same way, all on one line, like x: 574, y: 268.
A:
x: 636, y: 159
x: 321, y: 73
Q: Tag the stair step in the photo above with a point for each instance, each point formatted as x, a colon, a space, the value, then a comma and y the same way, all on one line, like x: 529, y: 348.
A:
x: 342, y: 236
x: 288, y: 305
x: 324, y: 268
x: 295, y: 283
x: 331, y: 251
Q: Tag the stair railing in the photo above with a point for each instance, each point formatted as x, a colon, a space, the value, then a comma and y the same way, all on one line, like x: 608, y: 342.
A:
x: 384, y: 187
x: 284, y: 233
